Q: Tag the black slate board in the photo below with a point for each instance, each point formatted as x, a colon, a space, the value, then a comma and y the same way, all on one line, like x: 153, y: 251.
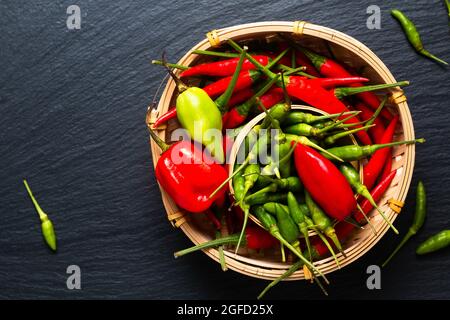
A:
x: 73, y: 105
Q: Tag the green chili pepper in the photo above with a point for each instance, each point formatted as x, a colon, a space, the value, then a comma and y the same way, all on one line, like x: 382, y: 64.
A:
x: 304, y: 129
x: 287, y: 226
x: 259, y: 145
x: 352, y: 177
x: 270, y: 223
x: 290, y: 184
x: 266, y: 197
x: 251, y: 173
x: 322, y: 221
x: 413, y: 35
x: 309, y: 118
x: 238, y: 186
x: 303, y: 208
x: 354, y: 152
x: 447, y: 3
x: 46, y: 225
x: 434, y: 243
x: 298, y: 216
x: 419, y: 219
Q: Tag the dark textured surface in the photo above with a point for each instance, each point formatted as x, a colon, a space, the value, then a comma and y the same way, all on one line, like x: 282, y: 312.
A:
x: 73, y: 105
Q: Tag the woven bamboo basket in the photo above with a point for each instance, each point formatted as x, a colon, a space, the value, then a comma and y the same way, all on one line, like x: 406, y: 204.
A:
x: 354, y: 54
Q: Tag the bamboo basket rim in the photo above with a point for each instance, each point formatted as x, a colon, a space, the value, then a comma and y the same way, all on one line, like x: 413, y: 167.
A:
x: 269, y: 270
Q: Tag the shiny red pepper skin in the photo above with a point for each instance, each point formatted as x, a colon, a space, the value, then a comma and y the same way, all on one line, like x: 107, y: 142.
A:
x: 375, y: 132
x: 245, y: 80
x: 375, y: 165
x: 326, y: 184
x: 258, y: 238
x: 223, y: 68
x: 376, y: 194
x: 387, y: 168
x: 316, y: 96
x: 330, y: 68
x: 178, y: 171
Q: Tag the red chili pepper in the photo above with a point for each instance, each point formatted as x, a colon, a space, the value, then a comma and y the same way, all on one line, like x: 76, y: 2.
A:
x: 375, y: 132
x: 375, y: 165
x: 376, y: 194
x: 325, y: 183
x: 313, y: 94
x: 245, y: 80
x: 178, y: 171
x: 258, y: 238
x: 222, y: 68
x: 330, y: 83
x: 387, y: 167
x: 330, y: 68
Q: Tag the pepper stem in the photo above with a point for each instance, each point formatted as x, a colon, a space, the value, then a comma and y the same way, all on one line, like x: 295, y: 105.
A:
x: 160, y: 142
x: 332, y: 235
x: 328, y: 245
x: 400, y: 245
x: 311, y: 144
x: 377, y: 112
x: 42, y: 214
x: 337, y: 123
x: 181, y: 86
x: 366, y: 194
x: 299, y: 71
x: 283, y: 253
x: 366, y: 218
x: 231, y: 239
x: 343, y: 92
x: 426, y: 53
x: 332, y: 139
x: 277, y: 58
x: 244, y: 225
x: 222, y: 101
x: 216, y: 53
x: 171, y: 65
x: 258, y: 65
x: 376, y: 147
x: 276, y: 234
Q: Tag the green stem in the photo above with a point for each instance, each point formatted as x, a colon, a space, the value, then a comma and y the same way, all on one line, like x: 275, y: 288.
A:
x: 366, y: 194
x: 216, y: 53
x: 263, y: 69
x: 366, y: 218
x: 332, y: 139
x: 283, y: 253
x: 223, y: 263
x: 376, y: 147
x: 377, y: 112
x: 246, y: 209
x: 278, y: 58
x: 171, y: 65
x: 327, y: 244
x: 336, y: 124
x: 305, y: 141
x: 400, y: 245
x: 285, y: 275
x: 160, y: 142
x: 231, y: 239
x: 42, y: 214
x: 343, y: 92
x: 222, y: 101
x: 298, y: 71
x: 278, y: 236
x: 426, y: 53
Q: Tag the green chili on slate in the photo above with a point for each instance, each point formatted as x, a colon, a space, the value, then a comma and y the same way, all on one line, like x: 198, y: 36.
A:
x: 47, y: 226
x: 436, y: 242
x: 419, y: 219
x: 413, y: 35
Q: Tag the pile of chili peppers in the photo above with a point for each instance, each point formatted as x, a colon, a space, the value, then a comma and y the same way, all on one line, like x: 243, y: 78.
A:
x: 297, y: 173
